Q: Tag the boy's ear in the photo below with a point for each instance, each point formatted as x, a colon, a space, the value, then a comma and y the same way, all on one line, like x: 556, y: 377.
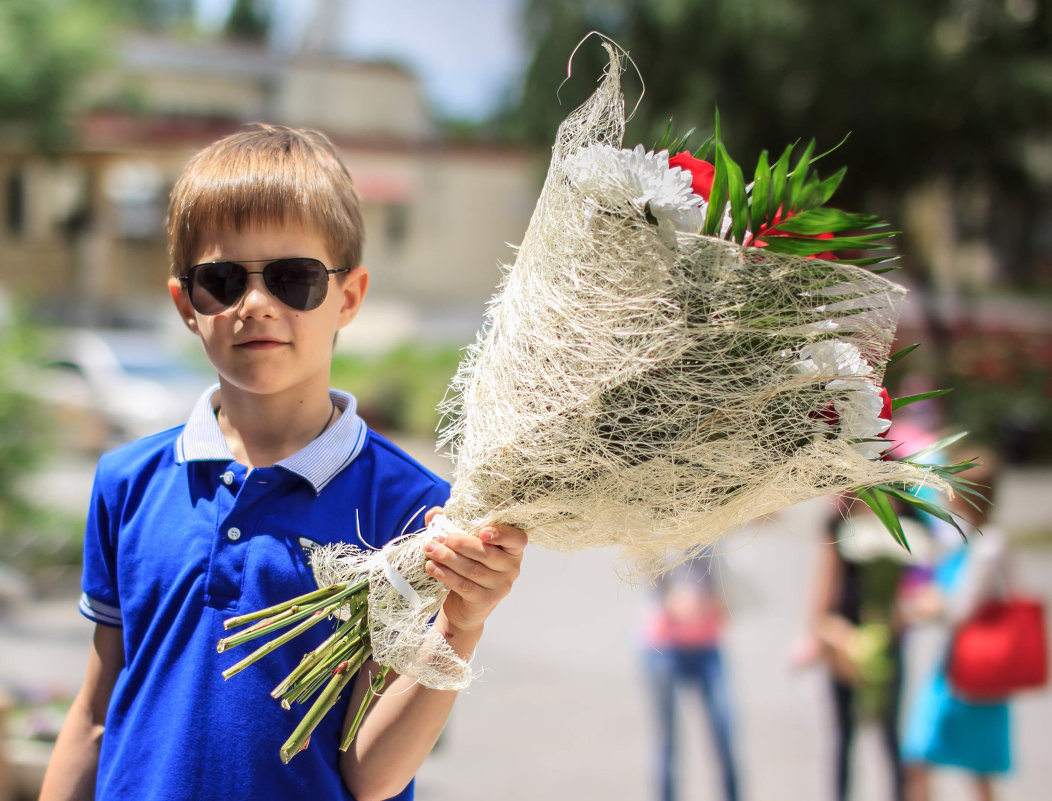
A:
x: 182, y: 303
x: 353, y: 290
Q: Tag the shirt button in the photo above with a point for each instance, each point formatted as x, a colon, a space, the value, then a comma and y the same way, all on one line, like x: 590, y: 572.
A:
x: 233, y: 533
x: 227, y: 478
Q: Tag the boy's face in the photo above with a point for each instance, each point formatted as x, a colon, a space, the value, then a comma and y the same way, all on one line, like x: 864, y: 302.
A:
x: 259, y: 345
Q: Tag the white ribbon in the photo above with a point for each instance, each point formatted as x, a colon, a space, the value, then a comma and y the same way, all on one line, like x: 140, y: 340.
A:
x: 400, y: 583
x: 438, y: 524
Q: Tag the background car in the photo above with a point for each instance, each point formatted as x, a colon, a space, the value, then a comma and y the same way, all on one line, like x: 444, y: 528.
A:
x: 105, y: 387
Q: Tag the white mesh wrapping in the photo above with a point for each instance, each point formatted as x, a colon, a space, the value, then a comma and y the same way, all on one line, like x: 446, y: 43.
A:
x: 648, y: 389
x: 652, y: 395
x: 403, y: 599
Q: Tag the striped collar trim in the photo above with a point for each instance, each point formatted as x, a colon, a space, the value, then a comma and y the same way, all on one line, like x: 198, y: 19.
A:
x: 318, y: 463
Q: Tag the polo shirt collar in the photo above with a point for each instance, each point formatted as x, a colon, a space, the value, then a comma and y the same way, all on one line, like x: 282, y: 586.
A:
x: 318, y: 463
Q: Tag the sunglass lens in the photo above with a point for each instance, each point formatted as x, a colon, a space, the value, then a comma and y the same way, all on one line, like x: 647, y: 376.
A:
x: 217, y: 286
x: 298, y: 283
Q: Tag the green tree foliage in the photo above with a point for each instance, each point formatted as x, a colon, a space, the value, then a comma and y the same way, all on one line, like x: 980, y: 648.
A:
x: 248, y: 21
x: 47, y: 48
x: 22, y: 423
x: 34, y: 530
x: 924, y: 87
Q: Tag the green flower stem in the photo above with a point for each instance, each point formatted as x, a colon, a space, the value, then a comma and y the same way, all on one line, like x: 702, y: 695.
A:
x: 356, y: 658
x: 313, y: 614
x: 328, y: 668
x: 292, y: 614
x: 309, y: 682
x: 297, y: 741
x: 259, y: 614
x: 310, y: 685
x: 310, y: 660
x: 375, y: 686
x: 258, y: 629
x: 280, y: 640
x: 312, y: 682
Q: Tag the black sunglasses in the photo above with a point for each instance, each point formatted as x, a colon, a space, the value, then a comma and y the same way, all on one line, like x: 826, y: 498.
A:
x: 299, y: 283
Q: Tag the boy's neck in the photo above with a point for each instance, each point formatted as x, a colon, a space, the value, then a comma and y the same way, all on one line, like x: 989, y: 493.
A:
x: 261, y: 430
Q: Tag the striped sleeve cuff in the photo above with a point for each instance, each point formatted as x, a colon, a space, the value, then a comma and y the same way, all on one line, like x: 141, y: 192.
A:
x: 99, y: 612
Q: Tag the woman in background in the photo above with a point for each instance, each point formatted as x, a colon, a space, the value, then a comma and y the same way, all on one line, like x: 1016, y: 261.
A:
x: 942, y: 728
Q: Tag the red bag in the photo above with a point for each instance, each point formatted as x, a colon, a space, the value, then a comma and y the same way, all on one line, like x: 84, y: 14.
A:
x: 1000, y: 650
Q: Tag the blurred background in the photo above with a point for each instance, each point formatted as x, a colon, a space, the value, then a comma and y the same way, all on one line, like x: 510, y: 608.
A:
x: 444, y: 111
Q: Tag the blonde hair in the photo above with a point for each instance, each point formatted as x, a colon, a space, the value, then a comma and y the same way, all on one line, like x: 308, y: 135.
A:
x: 265, y: 174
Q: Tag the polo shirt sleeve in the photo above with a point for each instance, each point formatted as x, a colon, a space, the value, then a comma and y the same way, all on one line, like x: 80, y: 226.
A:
x: 100, y: 601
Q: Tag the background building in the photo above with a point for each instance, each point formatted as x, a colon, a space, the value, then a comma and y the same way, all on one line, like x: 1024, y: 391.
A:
x: 82, y: 229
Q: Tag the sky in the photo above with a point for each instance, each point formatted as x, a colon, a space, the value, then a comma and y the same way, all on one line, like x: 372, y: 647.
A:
x: 469, y: 54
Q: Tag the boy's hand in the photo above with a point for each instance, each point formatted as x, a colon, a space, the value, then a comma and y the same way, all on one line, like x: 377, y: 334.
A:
x: 479, y: 571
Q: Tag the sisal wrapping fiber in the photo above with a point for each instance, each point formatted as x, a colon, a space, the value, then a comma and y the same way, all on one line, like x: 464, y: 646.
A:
x: 640, y: 387
x: 398, y: 619
x: 649, y: 392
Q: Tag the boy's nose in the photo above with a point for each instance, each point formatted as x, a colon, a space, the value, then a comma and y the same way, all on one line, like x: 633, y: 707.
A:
x: 257, y: 299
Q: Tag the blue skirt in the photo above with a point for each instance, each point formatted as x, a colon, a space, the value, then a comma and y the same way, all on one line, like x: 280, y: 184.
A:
x: 943, y: 729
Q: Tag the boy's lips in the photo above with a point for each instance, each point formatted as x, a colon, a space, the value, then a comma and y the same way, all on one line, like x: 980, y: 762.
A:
x: 259, y: 343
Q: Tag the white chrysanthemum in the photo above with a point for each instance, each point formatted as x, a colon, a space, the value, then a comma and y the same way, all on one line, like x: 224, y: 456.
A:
x: 859, y: 410
x: 858, y: 403
x: 641, y: 179
x: 832, y: 358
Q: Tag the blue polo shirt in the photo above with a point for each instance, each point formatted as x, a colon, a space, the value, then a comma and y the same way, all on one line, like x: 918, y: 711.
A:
x: 180, y: 537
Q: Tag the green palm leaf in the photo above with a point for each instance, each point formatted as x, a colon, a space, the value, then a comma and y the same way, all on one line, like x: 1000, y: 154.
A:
x: 798, y: 179
x: 760, y: 191
x: 900, y: 354
x: 823, y: 190
x: 811, y: 247
x: 876, y: 498
x: 828, y: 221
x: 736, y: 190
x: 898, y: 403
x: 779, y: 176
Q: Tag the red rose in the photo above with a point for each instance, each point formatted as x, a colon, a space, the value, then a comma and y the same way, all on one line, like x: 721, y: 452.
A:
x: 885, y: 410
x: 885, y: 414
x: 701, y: 172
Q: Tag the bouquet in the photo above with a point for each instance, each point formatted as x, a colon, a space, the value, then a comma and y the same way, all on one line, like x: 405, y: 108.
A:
x: 673, y: 354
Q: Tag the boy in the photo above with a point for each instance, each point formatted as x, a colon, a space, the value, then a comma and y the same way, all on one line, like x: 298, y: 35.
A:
x: 215, y: 518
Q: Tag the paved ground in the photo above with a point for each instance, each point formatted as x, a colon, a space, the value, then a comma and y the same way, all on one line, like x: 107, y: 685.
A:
x: 559, y: 711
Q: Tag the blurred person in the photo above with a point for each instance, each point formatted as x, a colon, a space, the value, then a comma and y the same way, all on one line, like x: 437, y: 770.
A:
x: 682, y: 653
x: 855, y: 630
x: 943, y: 729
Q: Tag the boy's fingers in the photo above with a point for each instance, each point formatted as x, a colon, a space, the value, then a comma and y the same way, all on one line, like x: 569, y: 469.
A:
x: 508, y: 538
x: 469, y: 587
x: 492, y: 568
x: 491, y: 545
